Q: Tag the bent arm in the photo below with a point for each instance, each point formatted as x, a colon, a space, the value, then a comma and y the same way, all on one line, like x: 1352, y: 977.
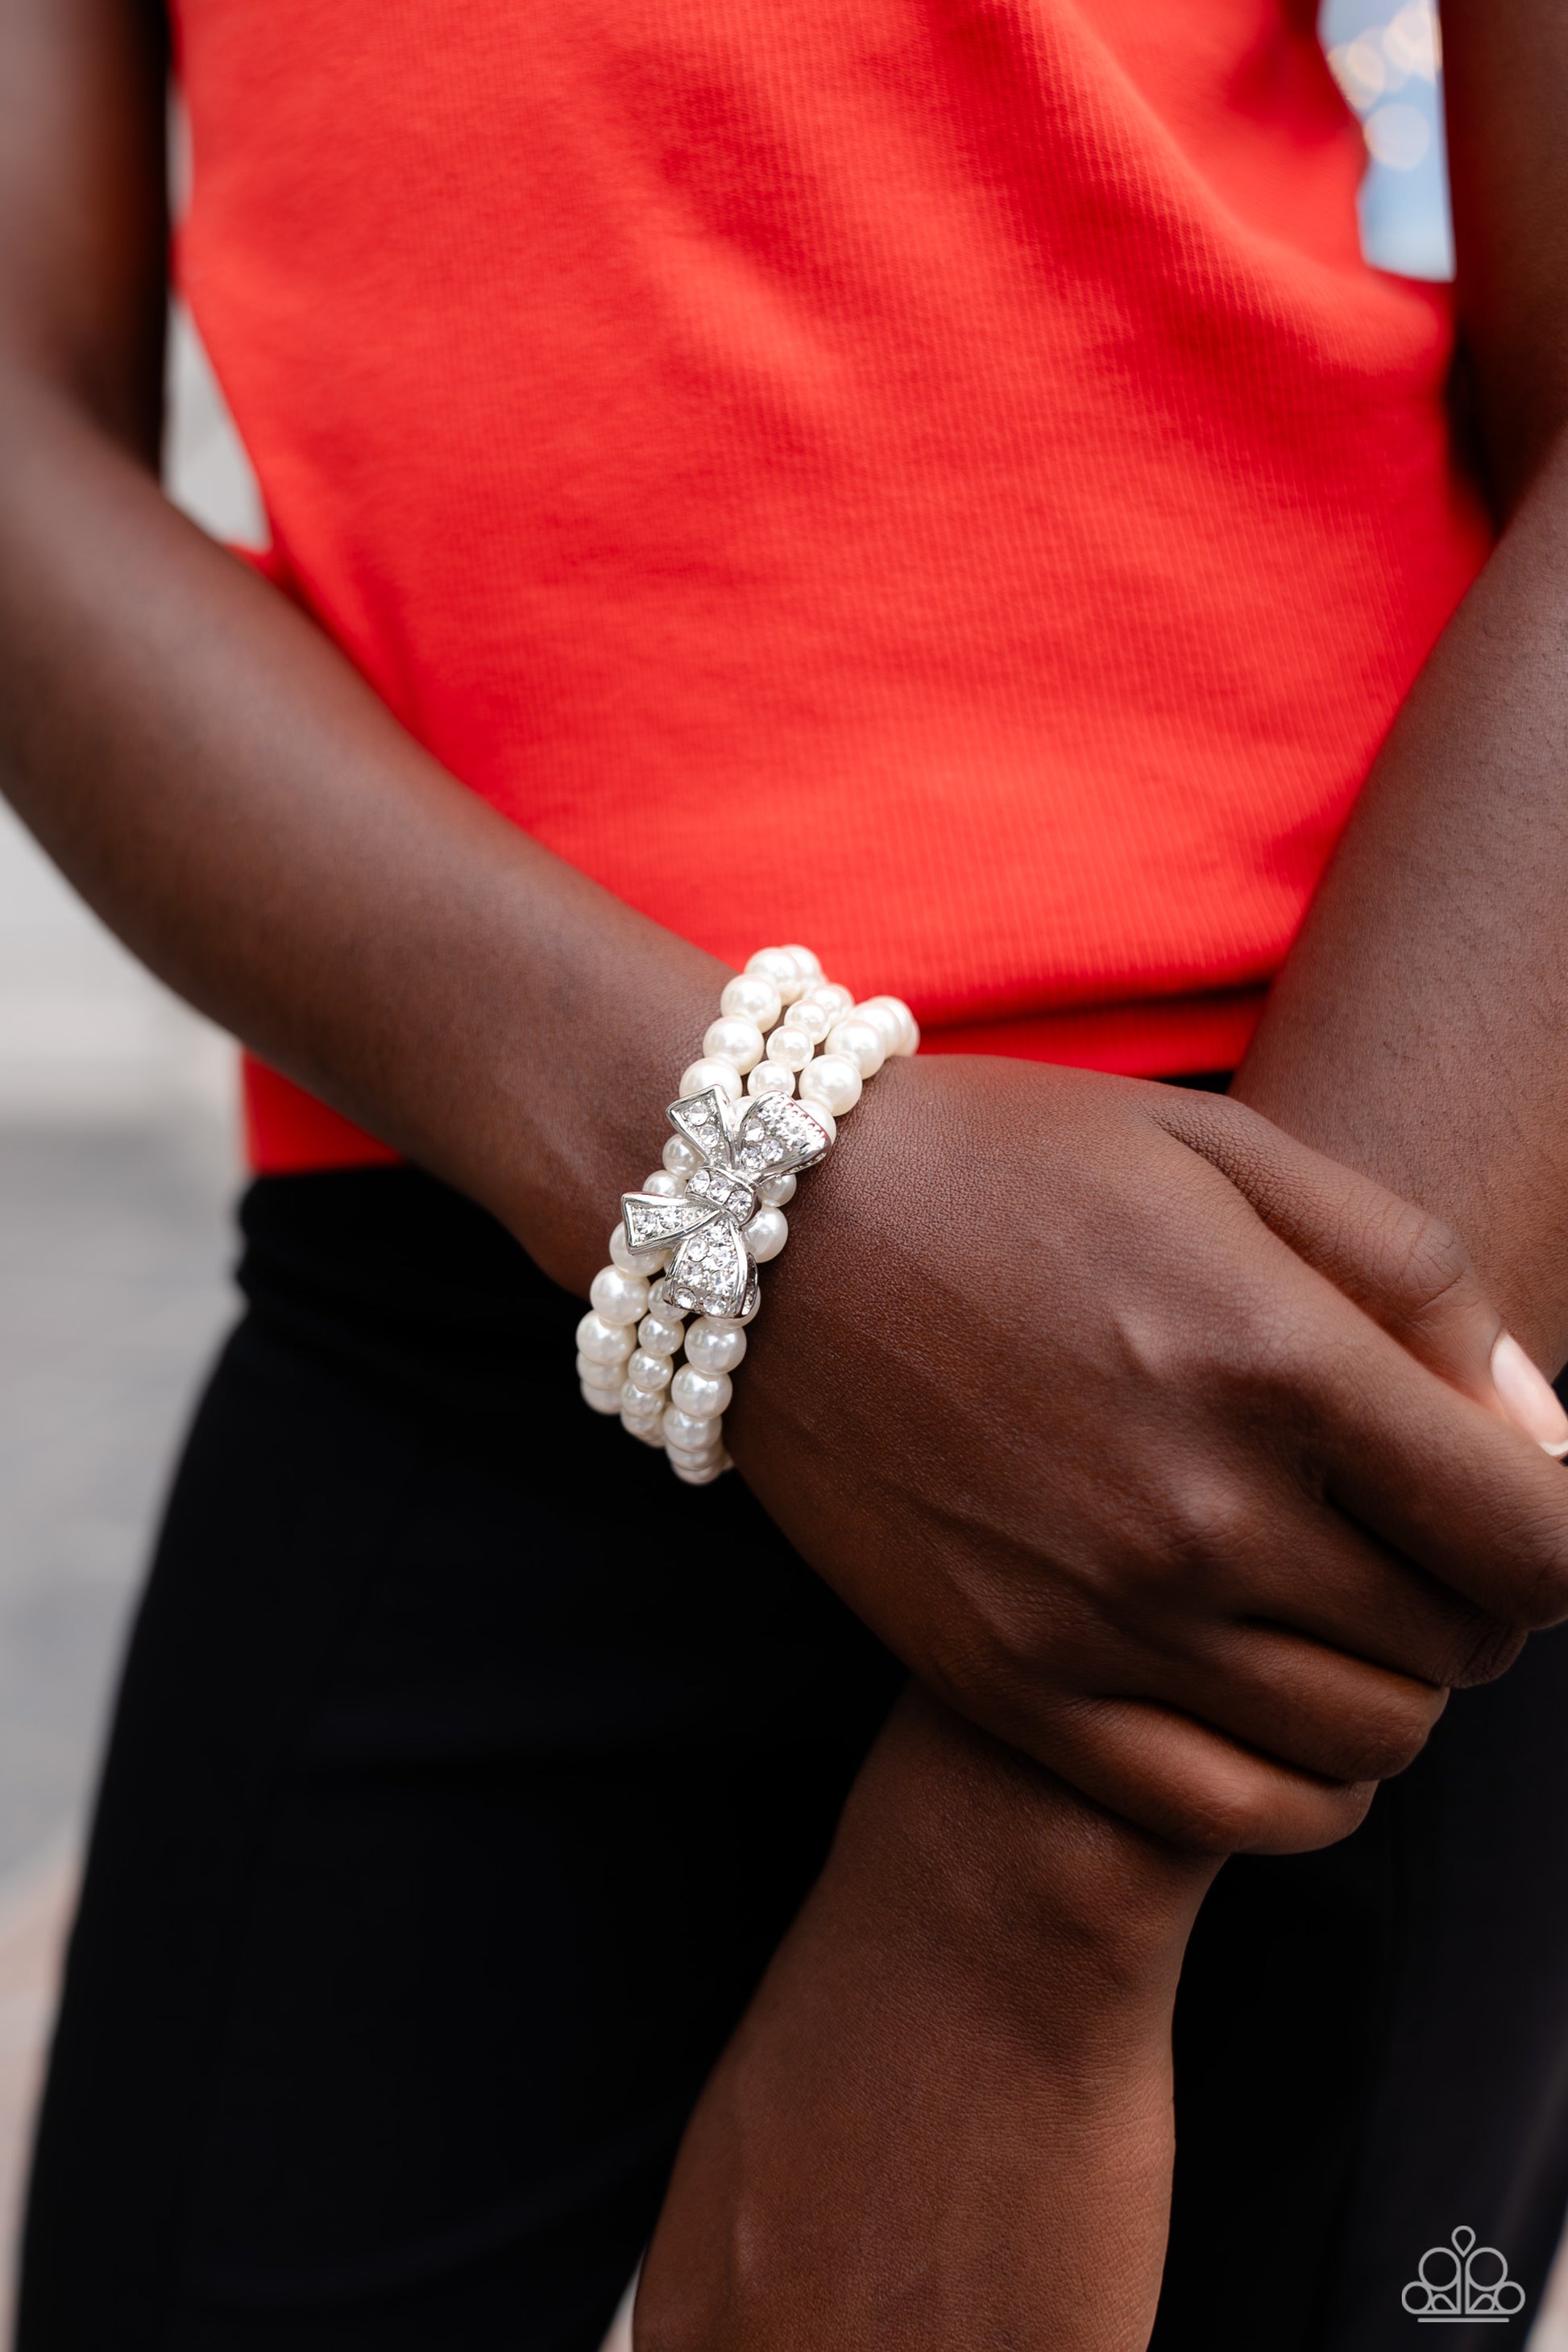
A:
x: 214, y: 777
x: 1419, y: 1030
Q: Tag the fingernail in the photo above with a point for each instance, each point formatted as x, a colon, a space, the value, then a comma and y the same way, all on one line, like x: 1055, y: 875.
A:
x: 1526, y: 1396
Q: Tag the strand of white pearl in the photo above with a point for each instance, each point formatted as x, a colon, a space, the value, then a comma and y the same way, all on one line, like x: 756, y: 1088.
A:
x: 772, y: 1020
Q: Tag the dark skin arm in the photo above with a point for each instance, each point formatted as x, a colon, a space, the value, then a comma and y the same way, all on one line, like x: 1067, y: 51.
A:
x: 1417, y: 1029
x: 212, y: 773
x: 223, y: 787
x: 1417, y: 1032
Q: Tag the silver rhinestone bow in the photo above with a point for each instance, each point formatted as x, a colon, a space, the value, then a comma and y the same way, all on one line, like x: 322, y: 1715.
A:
x: 738, y: 1144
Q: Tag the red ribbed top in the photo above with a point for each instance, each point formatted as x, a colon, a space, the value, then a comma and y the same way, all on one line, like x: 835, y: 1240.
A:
x: 932, y: 477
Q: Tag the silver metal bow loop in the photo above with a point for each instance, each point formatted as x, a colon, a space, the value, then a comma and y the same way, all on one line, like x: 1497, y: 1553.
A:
x: 738, y: 1144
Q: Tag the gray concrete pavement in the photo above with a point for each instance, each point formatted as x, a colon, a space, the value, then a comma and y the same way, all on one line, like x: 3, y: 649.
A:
x: 114, y: 1249
x: 113, y: 1288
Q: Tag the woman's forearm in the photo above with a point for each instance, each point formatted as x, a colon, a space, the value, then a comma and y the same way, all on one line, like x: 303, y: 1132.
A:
x: 946, y: 2119
x: 1419, y: 1031
x: 210, y: 771
x: 241, y: 808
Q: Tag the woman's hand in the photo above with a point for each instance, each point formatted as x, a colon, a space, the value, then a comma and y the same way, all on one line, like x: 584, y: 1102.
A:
x: 1111, y: 1409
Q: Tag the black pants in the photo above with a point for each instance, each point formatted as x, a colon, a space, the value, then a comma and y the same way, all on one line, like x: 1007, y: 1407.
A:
x: 464, y: 1772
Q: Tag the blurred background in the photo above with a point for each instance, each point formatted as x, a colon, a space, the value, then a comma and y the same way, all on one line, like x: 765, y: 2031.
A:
x: 118, y: 1167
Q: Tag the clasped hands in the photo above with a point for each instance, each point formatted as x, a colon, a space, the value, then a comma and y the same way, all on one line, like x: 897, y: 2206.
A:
x: 1159, y: 1445
x: 1171, y: 1458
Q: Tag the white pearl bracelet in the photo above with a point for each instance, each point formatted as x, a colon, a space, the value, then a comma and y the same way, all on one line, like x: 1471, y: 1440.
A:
x: 785, y: 1060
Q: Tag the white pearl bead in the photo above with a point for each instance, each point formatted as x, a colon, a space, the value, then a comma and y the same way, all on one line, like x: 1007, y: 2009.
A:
x: 658, y: 1304
x: 831, y: 1081
x: 713, y: 1346
x: 729, y: 1039
x: 883, y: 1020
x: 607, y: 1343
x: 638, y: 1425
x: 767, y: 1233
x: 660, y: 1335
x: 701, y: 1433
x: 775, y: 1191
x: 908, y: 1035
x: 680, y: 1156
x: 702, y: 1393
x: 631, y: 1261
x: 911, y: 1026
x: 649, y: 1373
x: 790, y: 1048
x: 859, y: 1042
x: 693, y: 1436
x: 601, y: 1399
x: 810, y: 1017
x: 688, y: 1429
x: 699, y: 1477
x: 770, y: 1078
x: 619, y: 1297
x: 665, y: 1182
x: 778, y: 965
x: 751, y: 997
x: 637, y: 1399
x: 700, y: 1077
x: 809, y: 964
x: 594, y: 1375
x: 834, y: 1000
x: 707, y: 1458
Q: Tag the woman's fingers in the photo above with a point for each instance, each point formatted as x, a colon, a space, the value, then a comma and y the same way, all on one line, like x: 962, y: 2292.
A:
x: 1405, y: 1268
x: 1184, y: 1780
x: 1439, y: 1478
x: 1305, y: 1705
x: 1305, y: 1569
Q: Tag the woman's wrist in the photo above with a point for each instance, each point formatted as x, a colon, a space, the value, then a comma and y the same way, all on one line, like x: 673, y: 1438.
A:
x: 786, y: 1057
x: 563, y: 1148
x: 997, y: 1859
